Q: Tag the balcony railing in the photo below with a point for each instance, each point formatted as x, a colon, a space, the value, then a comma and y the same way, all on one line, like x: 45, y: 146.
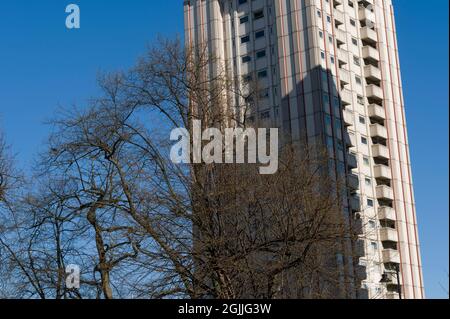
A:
x: 374, y: 92
x: 391, y: 256
x: 344, y: 76
x: 377, y: 112
x: 365, y: 3
x: 392, y: 295
x: 355, y: 204
x: 377, y: 130
x: 370, y: 54
x: 385, y: 192
x: 380, y: 151
x: 360, y: 248
x: 348, y: 118
x: 342, y: 56
x: 346, y: 97
x: 339, y: 17
x: 372, y: 73
x: 353, y: 181
x: 366, y: 15
x: 386, y: 213
x: 363, y: 294
x: 388, y: 234
x: 382, y: 171
x: 349, y: 141
x: 352, y: 162
x: 360, y: 272
x: 341, y: 37
x: 358, y: 227
x: 368, y: 35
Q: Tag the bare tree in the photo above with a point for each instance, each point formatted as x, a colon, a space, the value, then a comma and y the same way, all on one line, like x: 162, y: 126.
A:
x: 5, y: 168
x: 111, y: 200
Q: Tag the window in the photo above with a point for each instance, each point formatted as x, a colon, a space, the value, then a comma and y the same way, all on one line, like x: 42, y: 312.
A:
x: 332, y: 59
x: 356, y: 60
x: 370, y: 202
x: 329, y: 141
x: 322, y: 55
x: 245, y: 39
x: 374, y: 245
x: 326, y: 99
x: 366, y: 161
x: 324, y: 75
x: 243, y: 19
x: 362, y: 120
x: 368, y: 181
x: 360, y: 99
x: 341, y: 168
x: 260, y: 54
x: 358, y: 80
x: 320, y: 34
x: 246, y: 59
x: 259, y: 34
x: 372, y: 224
x: 328, y: 120
x: 258, y: 14
x: 364, y: 140
x: 350, y: 4
x: 265, y: 115
x: 330, y: 39
x: 353, y: 22
x: 319, y: 14
x: 354, y: 41
x: 262, y: 74
x: 328, y: 19
x: 340, y: 145
x: 242, y: 2
x: 247, y: 78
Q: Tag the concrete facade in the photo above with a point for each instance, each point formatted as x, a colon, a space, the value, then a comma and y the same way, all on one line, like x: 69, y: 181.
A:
x: 329, y: 72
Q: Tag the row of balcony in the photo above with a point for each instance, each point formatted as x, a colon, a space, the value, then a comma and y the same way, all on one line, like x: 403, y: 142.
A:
x: 379, y: 134
x: 375, y: 112
x: 381, y: 172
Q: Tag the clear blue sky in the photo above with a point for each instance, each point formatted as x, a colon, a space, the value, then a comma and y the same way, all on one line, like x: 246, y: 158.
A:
x: 43, y: 65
